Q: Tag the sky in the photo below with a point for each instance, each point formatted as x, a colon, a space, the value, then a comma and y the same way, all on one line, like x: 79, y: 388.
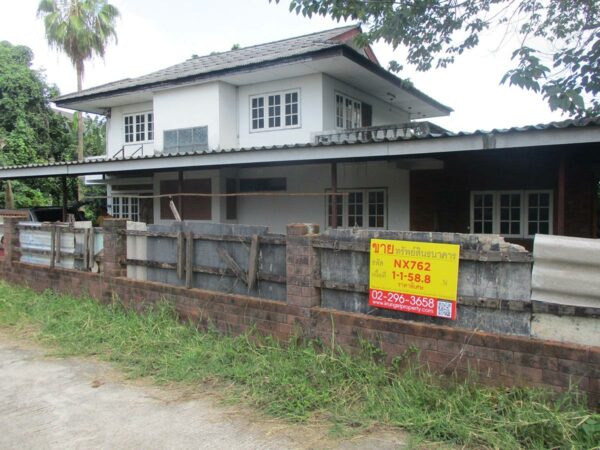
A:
x: 154, y: 34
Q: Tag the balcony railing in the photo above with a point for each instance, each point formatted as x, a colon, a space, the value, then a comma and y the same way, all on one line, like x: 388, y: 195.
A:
x: 380, y: 132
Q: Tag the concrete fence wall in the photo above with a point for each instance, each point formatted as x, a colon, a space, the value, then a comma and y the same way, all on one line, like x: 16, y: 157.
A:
x: 75, y: 245
x: 566, y: 278
x: 314, y: 304
x: 493, y: 288
x: 238, y: 259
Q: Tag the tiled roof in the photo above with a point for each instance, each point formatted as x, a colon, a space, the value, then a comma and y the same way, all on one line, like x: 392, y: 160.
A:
x: 226, y: 60
x: 437, y: 134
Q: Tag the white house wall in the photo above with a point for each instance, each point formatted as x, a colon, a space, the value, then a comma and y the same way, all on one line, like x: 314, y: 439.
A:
x: 186, y: 107
x: 228, y: 116
x: 311, y: 114
x: 115, y: 130
x: 277, y: 212
x: 383, y: 112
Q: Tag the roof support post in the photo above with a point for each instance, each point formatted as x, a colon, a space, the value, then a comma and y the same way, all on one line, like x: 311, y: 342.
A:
x: 561, y: 196
x: 63, y: 182
x: 180, y: 191
x: 334, y: 197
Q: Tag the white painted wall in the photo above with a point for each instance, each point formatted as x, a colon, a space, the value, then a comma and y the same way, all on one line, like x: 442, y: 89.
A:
x: 228, y: 116
x: 311, y: 114
x: 186, y: 107
x: 277, y: 212
x: 115, y: 130
x: 383, y: 113
x: 225, y: 109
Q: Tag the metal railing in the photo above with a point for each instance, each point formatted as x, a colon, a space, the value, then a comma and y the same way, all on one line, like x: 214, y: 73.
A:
x: 121, y: 152
x: 380, y: 132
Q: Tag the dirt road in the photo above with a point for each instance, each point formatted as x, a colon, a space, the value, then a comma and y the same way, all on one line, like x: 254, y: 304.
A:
x: 55, y: 403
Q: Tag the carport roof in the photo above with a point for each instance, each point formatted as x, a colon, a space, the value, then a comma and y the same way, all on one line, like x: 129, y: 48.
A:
x: 567, y: 132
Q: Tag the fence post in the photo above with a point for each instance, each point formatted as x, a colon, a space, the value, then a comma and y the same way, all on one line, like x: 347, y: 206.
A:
x: 115, y: 248
x: 302, y: 268
x: 11, y: 241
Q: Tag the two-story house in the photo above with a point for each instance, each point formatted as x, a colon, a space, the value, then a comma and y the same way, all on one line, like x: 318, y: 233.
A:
x: 294, y: 91
x: 281, y: 132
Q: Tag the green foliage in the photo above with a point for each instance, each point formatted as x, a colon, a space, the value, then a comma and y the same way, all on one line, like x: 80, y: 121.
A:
x: 30, y: 131
x: 300, y: 380
x: 94, y: 134
x: 434, y: 32
x: 80, y: 28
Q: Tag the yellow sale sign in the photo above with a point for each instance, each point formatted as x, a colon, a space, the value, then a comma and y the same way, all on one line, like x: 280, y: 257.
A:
x: 417, y: 277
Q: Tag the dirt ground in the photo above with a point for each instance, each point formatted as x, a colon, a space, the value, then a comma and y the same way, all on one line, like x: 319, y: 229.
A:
x: 74, y: 403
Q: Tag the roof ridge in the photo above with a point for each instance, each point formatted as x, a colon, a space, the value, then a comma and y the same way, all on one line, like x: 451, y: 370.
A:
x: 357, y: 25
x: 264, y: 44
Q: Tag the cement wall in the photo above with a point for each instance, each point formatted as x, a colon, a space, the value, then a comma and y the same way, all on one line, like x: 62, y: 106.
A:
x: 493, y: 285
x: 207, y: 254
x: 567, y: 273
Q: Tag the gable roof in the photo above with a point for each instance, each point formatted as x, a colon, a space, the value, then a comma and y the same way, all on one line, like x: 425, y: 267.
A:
x: 242, y: 57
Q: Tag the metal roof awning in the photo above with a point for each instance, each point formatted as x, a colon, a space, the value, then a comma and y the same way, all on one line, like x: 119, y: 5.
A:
x: 563, y: 133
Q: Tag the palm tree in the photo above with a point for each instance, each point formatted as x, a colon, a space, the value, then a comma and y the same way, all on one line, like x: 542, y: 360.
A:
x: 82, y: 29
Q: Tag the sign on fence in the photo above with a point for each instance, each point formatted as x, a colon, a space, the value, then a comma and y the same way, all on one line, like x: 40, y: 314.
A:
x: 416, y: 277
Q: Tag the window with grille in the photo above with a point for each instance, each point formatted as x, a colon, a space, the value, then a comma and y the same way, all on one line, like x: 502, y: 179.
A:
x: 512, y: 213
x: 139, y: 127
x: 361, y: 208
x: 276, y: 110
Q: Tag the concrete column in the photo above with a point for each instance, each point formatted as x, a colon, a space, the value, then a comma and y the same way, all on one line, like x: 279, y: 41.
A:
x: 11, y: 241
x: 115, y: 248
x: 302, y: 266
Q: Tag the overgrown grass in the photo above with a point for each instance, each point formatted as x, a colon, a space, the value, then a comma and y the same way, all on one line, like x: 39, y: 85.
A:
x: 298, y: 380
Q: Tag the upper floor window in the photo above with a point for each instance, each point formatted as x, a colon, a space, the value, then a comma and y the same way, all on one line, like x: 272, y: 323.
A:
x: 512, y: 213
x: 276, y: 110
x: 185, y: 140
x: 348, y: 112
x: 139, y: 127
x: 364, y: 208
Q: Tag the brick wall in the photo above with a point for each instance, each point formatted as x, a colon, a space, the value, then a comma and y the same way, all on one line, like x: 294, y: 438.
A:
x: 497, y: 359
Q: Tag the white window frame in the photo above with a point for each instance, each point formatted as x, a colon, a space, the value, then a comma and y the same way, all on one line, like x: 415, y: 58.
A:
x: 355, y: 113
x: 264, y: 110
x: 365, y: 206
x: 524, y: 207
x: 125, y: 207
x: 148, y: 123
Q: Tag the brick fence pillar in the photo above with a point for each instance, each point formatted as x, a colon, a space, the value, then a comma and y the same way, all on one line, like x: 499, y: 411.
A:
x: 11, y: 241
x: 115, y: 248
x: 302, y: 269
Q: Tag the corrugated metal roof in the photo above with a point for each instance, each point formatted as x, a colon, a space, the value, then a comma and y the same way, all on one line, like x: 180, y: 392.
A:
x: 225, y: 60
x: 566, y: 124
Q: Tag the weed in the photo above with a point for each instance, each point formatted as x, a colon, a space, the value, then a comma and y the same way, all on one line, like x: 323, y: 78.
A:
x: 299, y: 380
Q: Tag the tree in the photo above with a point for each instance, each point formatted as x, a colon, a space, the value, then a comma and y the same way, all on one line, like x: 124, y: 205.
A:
x: 82, y: 29
x: 558, y: 54
x: 30, y: 131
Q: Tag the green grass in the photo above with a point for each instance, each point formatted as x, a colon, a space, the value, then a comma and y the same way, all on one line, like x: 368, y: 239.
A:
x: 299, y: 381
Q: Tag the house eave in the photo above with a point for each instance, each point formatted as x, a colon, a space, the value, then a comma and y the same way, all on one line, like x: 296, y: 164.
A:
x: 79, y: 101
